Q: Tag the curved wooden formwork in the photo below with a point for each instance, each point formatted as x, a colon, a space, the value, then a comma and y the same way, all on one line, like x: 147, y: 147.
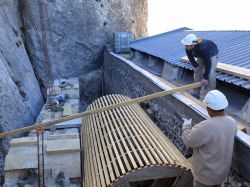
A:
x: 124, y: 145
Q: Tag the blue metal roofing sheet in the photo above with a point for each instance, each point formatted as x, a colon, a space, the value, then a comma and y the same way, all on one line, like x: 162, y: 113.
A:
x: 234, y: 49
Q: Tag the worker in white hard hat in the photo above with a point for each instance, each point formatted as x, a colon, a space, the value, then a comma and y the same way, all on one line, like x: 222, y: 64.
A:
x: 212, y: 141
x: 204, y: 66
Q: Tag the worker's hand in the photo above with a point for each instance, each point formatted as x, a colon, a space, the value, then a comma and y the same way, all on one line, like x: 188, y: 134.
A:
x: 196, y: 69
x: 204, y: 82
x: 186, y: 122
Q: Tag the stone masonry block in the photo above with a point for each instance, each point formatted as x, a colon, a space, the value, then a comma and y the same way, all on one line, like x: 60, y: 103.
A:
x: 63, y: 146
x: 20, y: 161
x: 23, y: 141
x: 63, y: 136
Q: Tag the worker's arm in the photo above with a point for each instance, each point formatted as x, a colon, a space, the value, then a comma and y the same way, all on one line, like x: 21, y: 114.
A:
x: 195, y: 136
x: 208, y: 64
x: 191, y: 58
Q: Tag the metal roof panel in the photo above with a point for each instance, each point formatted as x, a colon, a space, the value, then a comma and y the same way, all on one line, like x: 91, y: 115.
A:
x: 234, y: 49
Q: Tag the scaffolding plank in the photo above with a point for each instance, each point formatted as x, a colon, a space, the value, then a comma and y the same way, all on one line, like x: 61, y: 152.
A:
x: 228, y: 68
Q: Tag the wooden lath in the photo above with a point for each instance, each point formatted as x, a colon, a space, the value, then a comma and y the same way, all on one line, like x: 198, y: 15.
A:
x: 90, y: 112
x: 123, y: 145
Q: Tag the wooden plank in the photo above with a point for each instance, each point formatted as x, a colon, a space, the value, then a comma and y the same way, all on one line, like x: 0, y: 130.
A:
x: 108, y: 139
x: 167, y: 144
x: 149, y: 173
x: 142, y: 139
x: 90, y: 112
x: 228, y: 68
x: 119, y: 146
x: 240, y: 126
x: 104, y: 145
x: 91, y: 170
x: 118, y: 124
x: 117, y: 156
x: 153, y: 139
x: 130, y: 135
x: 88, y: 171
x: 93, y: 162
x: 102, y: 164
x: 162, y: 144
x: 137, y: 141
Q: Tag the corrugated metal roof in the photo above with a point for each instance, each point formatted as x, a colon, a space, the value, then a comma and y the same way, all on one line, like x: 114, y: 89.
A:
x: 234, y: 49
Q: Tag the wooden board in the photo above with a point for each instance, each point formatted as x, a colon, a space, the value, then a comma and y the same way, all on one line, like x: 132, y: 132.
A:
x: 106, y: 108
x: 240, y: 126
x: 228, y: 68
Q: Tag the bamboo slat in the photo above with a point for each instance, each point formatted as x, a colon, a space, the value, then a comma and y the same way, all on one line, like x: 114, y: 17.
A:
x: 122, y: 143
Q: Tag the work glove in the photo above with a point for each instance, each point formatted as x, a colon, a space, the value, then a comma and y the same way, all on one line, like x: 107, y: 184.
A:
x: 186, y: 122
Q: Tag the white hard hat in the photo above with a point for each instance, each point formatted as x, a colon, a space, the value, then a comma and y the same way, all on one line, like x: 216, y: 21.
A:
x: 190, y: 39
x: 216, y: 100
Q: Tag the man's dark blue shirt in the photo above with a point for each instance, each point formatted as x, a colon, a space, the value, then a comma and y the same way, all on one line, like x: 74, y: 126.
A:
x: 204, y: 50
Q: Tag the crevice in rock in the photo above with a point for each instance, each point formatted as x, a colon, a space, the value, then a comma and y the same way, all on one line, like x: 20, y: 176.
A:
x: 28, y: 44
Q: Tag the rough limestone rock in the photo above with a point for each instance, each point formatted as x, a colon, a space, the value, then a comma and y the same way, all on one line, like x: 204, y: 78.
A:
x: 76, y: 31
x: 20, y: 96
x: 90, y: 87
x: 41, y: 40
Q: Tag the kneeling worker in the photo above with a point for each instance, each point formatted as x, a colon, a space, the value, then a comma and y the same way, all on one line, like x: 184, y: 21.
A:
x: 212, y: 141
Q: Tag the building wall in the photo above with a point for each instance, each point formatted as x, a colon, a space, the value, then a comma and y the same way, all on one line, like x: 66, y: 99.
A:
x: 167, y: 111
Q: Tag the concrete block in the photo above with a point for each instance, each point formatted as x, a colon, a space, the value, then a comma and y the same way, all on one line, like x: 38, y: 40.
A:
x: 63, y: 136
x: 23, y: 149
x: 20, y: 161
x: 67, y: 109
x: 63, y: 146
x: 23, y: 141
x: 71, y: 122
x: 169, y: 72
x: 69, y: 163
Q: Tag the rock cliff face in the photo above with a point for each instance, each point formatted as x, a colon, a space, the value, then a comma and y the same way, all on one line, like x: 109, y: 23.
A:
x: 41, y: 40
x: 20, y: 96
x: 75, y: 32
